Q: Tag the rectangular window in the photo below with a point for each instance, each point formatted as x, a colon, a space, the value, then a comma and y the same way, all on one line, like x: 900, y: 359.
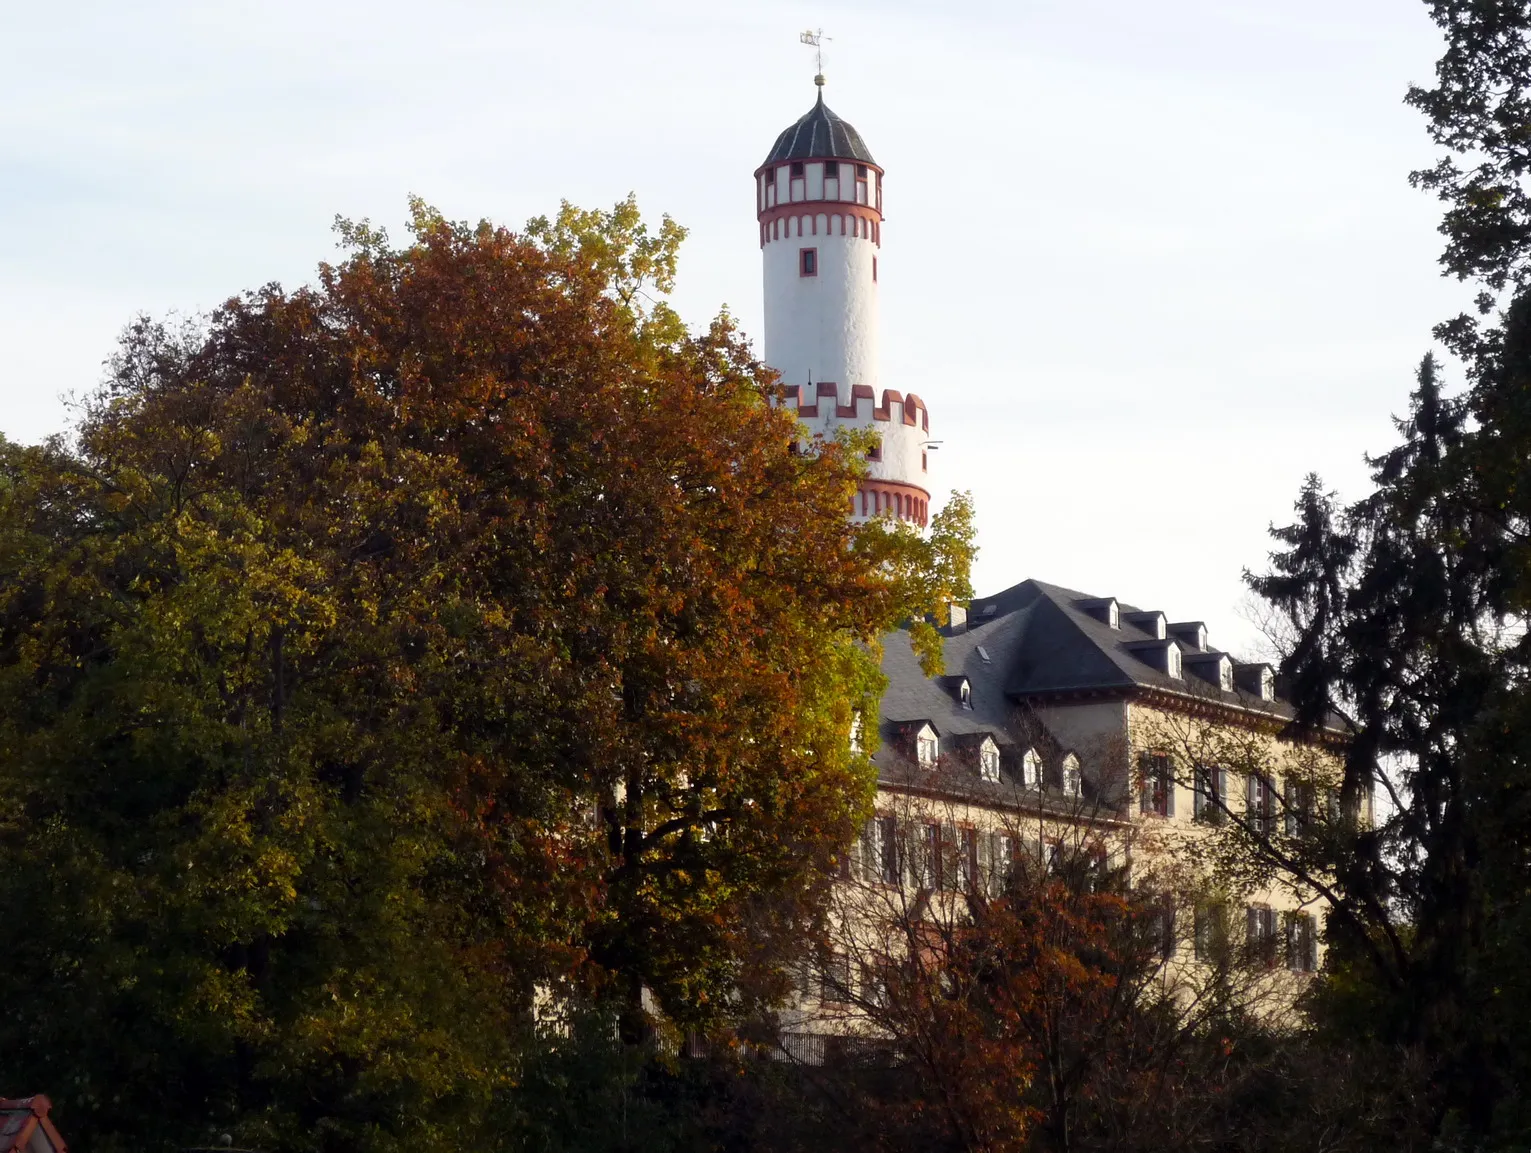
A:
x: 930, y: 855
x: 1260, y: 933
x: 874, y: 268
x: 831, y: 170
x: 1298, y: 800
x: 1161, y: 926
x: 837, y: 977
x: 1301, y: 943
x: 967, y: 859
x: 1001, y: 862
x: 808, y: 262
x: 1259, y: 804
x: 1158, y: 784
x: 796, y: 172
x: 1211, y: 795
x: 1211, y: 932
x: 879, y: 851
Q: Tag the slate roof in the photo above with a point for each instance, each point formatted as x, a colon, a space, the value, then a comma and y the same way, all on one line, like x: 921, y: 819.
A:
x: 819, y: 133
x: 1055, y: 646
x: 1042, y: 642
x: 911, y: 697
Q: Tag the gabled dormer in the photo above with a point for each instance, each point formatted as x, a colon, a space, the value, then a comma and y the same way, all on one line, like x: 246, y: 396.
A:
x: 1214, y: 668
x: 1257, y: 679
x: 1103, y: 609
x: 1151, y: 622
x: 1072, y: 776
x: 960, y: 688
x: 1031, y: 769
x: 1163, y: 655
x: 925, y: 743
x: 1192, y: 634
x: 988, y: 759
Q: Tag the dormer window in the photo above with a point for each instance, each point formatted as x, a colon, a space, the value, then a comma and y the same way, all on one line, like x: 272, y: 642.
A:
x: 988, y: 760
x: 1073, y: 779
x: 1103, y: 609
x: 1214, y: 667
x: 1192, y: 634
x: 960, y: 688
x: 1162, y: 655
x: 1031, y: 769
x: 1257, y: 679
x: 1151, y: 622
x: 927, y: 747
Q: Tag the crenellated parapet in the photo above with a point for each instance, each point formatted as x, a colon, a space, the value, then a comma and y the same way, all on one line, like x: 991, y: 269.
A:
x: 907, y: 406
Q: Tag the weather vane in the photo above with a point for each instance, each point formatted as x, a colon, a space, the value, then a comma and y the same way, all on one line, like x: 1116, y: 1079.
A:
x: 815, y: 40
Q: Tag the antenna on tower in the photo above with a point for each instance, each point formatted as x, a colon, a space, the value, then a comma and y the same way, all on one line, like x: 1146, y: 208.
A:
x: 815, y: 40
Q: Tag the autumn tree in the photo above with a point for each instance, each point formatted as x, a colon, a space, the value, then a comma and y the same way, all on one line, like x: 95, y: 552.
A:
x: 384, y: 661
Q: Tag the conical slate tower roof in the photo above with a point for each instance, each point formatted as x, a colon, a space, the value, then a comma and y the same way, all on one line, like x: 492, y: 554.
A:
x: 820, y: 133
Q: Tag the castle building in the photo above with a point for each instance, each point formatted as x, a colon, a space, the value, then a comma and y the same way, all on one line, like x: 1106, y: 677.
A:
x: 818, y: 200
x: 1063, y: 718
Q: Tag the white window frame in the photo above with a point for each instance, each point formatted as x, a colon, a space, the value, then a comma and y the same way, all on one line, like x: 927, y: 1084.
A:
x: 1031, y: 769
x: 988, y: 761
x: 927, y: 747
x: 1073, y: 777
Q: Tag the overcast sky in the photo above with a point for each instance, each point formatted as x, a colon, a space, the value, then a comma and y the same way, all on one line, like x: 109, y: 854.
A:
x: 1195, y: 271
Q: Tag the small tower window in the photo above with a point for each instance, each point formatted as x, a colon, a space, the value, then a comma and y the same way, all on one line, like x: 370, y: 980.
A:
x: 808, y: 262
x: 797, y: 169
x: 875, y: 452
x: 874, y: 268
x: 831, y: 170
x: 861, y: 172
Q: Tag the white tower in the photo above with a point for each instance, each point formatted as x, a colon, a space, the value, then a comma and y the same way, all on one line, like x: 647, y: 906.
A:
x: 818, y: 197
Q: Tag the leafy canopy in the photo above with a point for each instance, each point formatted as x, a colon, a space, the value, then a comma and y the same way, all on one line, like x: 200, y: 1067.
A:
x: 395, y: 655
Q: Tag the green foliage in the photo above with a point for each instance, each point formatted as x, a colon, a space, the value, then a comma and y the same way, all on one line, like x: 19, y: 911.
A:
x: 394, y: 656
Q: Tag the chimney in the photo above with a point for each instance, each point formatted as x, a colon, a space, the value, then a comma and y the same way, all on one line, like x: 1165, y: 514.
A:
x: 959, y: 617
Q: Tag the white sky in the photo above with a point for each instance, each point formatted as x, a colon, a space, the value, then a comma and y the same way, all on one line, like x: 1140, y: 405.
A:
x: 1193, y: 270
